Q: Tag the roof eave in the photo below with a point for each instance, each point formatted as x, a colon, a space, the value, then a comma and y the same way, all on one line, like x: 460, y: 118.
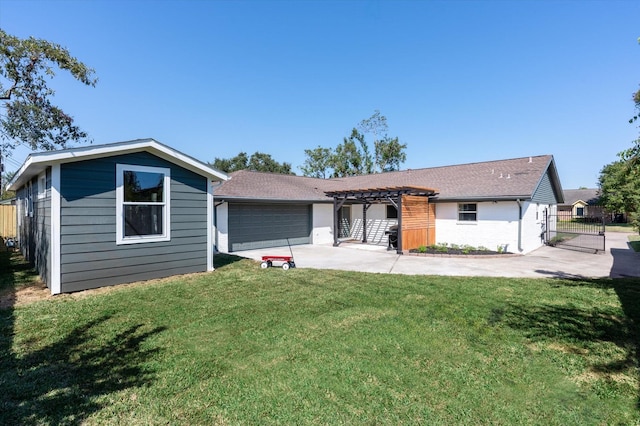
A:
x: 223, y: 198
x: 459, y: 199
x: 36, y: 163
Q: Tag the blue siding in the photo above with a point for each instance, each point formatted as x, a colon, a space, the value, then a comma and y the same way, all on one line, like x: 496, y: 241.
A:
x: 545, y: 193
x: 89, y: 255
x: 34, y: 225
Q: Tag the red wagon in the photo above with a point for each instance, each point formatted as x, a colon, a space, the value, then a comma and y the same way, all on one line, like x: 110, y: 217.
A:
x: 287, y: 261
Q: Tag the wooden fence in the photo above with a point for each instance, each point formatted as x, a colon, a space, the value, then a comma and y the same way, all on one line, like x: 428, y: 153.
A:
x: 418, y: 222
x: 8, y: 218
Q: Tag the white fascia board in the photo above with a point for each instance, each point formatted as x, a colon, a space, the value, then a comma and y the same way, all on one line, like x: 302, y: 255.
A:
x: 37, y: 162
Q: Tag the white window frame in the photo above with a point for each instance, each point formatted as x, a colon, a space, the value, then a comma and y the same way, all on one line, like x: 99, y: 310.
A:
x: 120, y: 203
x: 460, y: 212
x: 42, y: 185
x: 28, y: 200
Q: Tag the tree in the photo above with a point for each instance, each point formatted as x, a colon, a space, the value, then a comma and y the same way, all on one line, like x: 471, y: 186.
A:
x: 30, y: 118
x: 228, y: 165
x: 317, y: 163
x: 619, y: 184
x: 258, y: 161
x: 261, y: 162
x: 347, y: 159
x: 4, y: 180
x: 390, y: 154
x: 353, y: 156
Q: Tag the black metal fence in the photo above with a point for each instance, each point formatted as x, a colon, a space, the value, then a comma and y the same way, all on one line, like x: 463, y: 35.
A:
x: 584, y: 233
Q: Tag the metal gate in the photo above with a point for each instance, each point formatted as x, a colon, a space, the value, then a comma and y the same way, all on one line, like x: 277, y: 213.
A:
x: 586, y: 233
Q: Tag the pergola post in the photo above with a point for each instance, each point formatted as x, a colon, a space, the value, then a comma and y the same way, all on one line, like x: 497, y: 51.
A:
x: 399, y: 202
x: 336, y: 208
x: 365, y: 207
x: 335, y: 222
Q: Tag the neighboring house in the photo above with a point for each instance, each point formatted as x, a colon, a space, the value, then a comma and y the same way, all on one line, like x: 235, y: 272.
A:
x: 580, y: 204
x: 111, y: 214
x: 490, y: 204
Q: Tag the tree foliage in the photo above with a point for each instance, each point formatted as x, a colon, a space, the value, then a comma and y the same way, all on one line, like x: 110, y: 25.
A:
x: 351, y: 157
x: 390, y: 154
x: 5, y: 178
x: 619, y: 184
x: 259, y: 162
x: 30, y: 118
x: 317, y: 162
x: 354, y: 155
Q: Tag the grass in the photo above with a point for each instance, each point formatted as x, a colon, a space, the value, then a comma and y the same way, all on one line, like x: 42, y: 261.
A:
x: 634, y: 242
x: 243, y: 345
x: 620, y: 227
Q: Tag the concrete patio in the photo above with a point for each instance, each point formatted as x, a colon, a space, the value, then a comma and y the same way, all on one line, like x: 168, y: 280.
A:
x: 618, y: 260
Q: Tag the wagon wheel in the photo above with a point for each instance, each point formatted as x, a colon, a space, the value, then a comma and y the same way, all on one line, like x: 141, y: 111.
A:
x: 264, y: 265
x: 285, y: 266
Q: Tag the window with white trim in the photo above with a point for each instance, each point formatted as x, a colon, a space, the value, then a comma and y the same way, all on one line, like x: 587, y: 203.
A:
x: 28, y: 200
x: 467, y: 212
x: 42, y: 186
x: 142, y: 204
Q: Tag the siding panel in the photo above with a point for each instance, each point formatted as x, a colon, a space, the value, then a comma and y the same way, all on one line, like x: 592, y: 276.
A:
x: 544, y: 193
x: 90, y: 256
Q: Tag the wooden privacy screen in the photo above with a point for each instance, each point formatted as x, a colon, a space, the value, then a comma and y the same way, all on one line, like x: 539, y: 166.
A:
x: 418, y: 222
x: 8, y: 221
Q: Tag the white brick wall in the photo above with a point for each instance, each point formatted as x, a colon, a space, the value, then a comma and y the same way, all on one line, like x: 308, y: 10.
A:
x: 322, y: 232
x: 497, y: 225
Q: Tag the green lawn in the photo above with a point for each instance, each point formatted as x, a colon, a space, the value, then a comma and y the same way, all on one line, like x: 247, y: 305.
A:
x: 243, y: 345
x: 634, y: 241
x: 620, y: 227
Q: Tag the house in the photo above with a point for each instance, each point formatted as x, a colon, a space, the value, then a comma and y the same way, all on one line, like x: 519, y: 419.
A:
x: 487, y: 204
x: 580, y: 204
x: 111, y: 214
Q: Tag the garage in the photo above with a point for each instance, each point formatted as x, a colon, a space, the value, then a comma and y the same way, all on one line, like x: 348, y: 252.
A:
x: 261, y: 225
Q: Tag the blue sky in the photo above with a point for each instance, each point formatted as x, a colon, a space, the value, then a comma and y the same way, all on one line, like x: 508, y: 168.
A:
x: 459, y: 81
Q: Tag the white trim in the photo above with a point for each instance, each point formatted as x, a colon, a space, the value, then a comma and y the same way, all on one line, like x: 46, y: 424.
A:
x: 210, y: 226
x: 28, y: 210
x: 55, y: 284
x: 42, y: 185
x: 166, y: 216
x: 35, y: 163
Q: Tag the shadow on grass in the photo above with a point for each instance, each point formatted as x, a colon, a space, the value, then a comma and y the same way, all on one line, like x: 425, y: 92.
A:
x: 60, y: 383
x: 221, y: 260
x: 577, y: 327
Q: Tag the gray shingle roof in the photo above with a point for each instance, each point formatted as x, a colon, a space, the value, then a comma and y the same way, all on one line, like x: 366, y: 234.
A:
x: 589, y: 196
x: 501, y: 179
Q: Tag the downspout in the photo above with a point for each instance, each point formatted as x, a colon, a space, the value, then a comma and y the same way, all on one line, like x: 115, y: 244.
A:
x: 519, y: 224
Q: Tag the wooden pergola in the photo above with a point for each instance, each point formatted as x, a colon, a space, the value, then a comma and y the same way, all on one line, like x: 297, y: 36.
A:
x: 368, y: 196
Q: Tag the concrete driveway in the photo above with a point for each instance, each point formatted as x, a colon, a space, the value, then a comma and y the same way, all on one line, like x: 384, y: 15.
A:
x: 617, y: 261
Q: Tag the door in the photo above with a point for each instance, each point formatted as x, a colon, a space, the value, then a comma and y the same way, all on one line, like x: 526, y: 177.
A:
x: 253, y: 226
